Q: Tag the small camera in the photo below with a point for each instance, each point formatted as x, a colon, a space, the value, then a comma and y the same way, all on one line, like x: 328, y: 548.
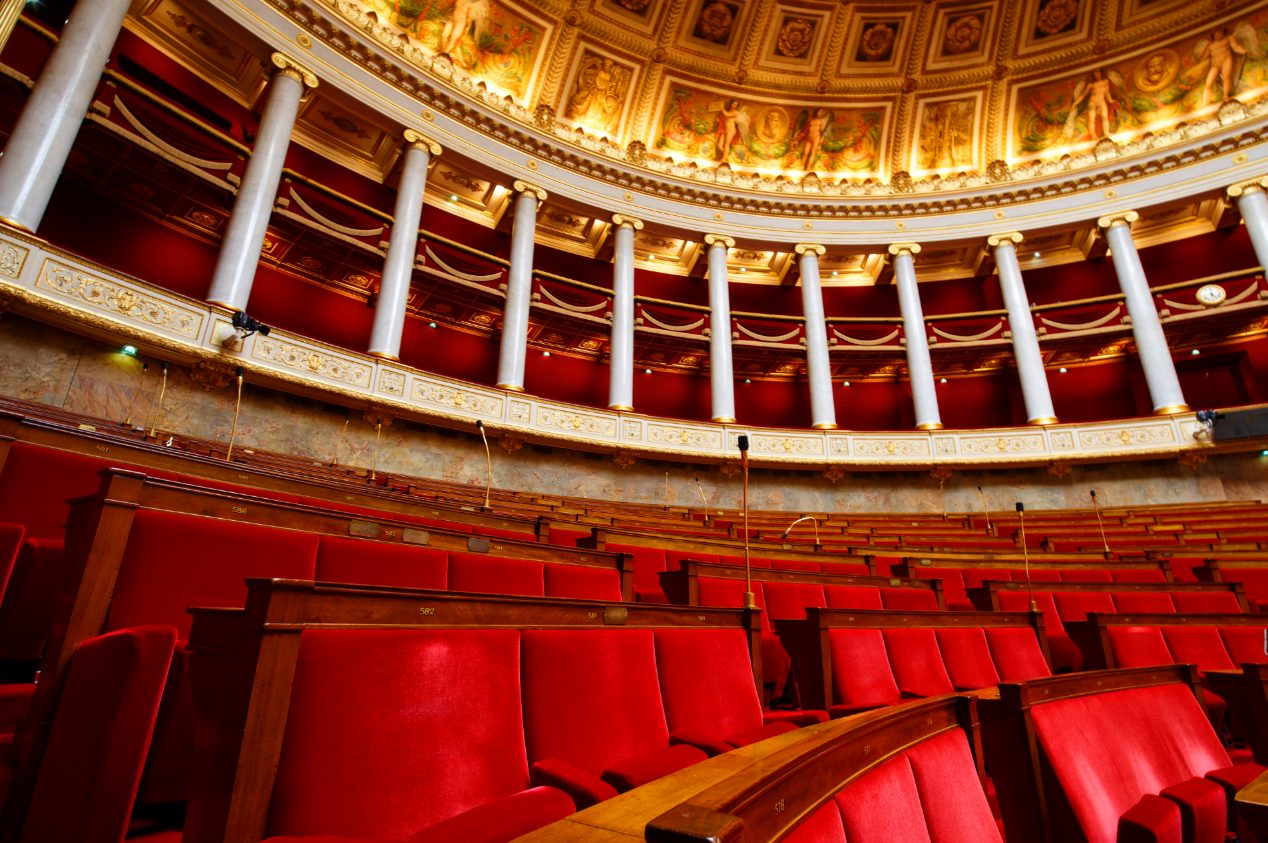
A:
x: 247, y: 325
x: 1209, y: 417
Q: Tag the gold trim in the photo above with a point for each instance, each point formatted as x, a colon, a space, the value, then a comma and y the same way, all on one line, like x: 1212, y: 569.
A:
x: 384, y: 356
x: 1043, y: 421
x: 1120, y: 218
x: 897, y: 249
x: 418, y: 139
x: 722, y: 420
x: 1008, y: 236
x: 287, y: 66
x: 1171, y: 409
x: 716, y: 239
x: 929, y: 426
x: 824, y: 425
x: 807, y: 248
x: 510, y: 387
x: 626, y: 221
x: 621, y: 408
x: 12, y: 223
x: 521, y: 186
x: 1235, y: 191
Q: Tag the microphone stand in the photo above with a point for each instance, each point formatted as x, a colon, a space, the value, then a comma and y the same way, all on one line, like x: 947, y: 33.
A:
x: 1025, y: 554
x: 488, y: 462
x: 798, y: 521
x: 1099, y: 523
x: 750, y: 601
x: 985, y: 509
x: 233, y: 434
x: 703, y: 499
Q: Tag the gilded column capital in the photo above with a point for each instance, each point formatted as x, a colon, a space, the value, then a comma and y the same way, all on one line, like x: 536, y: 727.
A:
x: 897, y: 249
x: 521, y: 186
x: 1235, y: 191
x: 809, y: 248
x: 287, y: 66
x: 1120, y: 218
x: 421, y: 141
x: 624, y: 221
x: 1006, y: 237
x: 715, y: 239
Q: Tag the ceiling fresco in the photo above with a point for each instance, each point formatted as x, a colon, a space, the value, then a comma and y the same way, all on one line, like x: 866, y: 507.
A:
x: 845, y: 91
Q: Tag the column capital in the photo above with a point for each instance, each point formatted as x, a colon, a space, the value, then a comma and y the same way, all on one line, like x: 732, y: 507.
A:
x: 287, y: 66
x: 897, y: 249
x: 1006, y: 237
x: 421, y: 141
x: 521, y: 186
x: 1235, y: 191
x: 809, y: 248
x: 715, y: 239
x: 1116, y: 219
x: 624, y: 221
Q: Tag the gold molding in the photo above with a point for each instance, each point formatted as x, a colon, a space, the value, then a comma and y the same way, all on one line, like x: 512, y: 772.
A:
x: 287, y: 66
x: 897, y: 249
x: 1006, y: 237
x: 1121, y: 218
x: 929, y: 426
x: 1172, y: 409
x: 383, y: 355
x: 715, y: 239
x: 1043, y: 421
x: 626, y: 221
x: 418, y: 139
x: 809, y: 248
x: 621, y: 408
x: 722, y: 420
x: 510, y: 387
x: 521, y: 186
x: 824, y: 426
x: 1235, y: 191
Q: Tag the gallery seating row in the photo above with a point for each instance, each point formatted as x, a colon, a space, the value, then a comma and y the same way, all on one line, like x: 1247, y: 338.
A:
x: 1249, y: 569
x: 959, y: 575
x: 378, y: 713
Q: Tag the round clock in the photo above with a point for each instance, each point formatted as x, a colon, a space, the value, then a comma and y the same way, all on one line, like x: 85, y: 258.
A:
x: 1211, y: 295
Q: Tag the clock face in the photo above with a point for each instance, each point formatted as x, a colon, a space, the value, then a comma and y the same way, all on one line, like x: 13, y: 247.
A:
x: 1211, y: 295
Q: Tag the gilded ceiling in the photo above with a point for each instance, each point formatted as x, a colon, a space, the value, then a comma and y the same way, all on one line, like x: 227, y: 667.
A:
x: 891, y: 91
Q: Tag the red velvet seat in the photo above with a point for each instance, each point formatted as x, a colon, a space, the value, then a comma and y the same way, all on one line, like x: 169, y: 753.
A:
x: 917, y: 662
x: 599, y: 730
x: 381, y: 563
x: 12, y: 537
x: 393, y: 733
x: 789, y: 600
x: 967, y: 657
x: 1143, y: 601
x: 1200, y: 645
x: 852, y: 596
x: 36, y: 483
x: 821, y: 826
x: 909, y: 599
x: 477, y: 572
x: 884, y: 805
x: 1087, y: 575
x: 861, y: 674
x: 1075, y: 605
x: 1139, y: 575
x: 706, y: 682
x: 1016, y: 653
x: 648, y: 564
x: 729, y: 594
x: 1205, y: 602
x: 580, y: 582
x: 1137, y: 646
x: 1245, y: 644
x: 854, y: 568
x: 99, y: 737
x: 30, y: 599
x: 1153, y: 819
x: 1065, y: 655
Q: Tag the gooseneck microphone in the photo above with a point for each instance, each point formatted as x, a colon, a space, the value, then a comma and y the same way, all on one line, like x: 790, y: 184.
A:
x: 488, y: 462
x: 985, y: 509
x: 703, y: 499
x: 237, y: 407
x: 1025, y: 554
x: 1099, y: 522
x: 750, y: 601
x: 798, y: 521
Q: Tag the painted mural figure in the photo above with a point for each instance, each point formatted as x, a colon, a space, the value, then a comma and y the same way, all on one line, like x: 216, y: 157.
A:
x: 1224, y: 51
x: 1099, y: 95
x: 467, y: 15
x: 813, y: 133
x: 728, y: 128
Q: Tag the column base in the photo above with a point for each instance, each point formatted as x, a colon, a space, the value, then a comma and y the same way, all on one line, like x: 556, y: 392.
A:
x: 1171, y: 409
x: 621, y: 408
x: 722, y: 420
x: 1043, y: 420
x: 511, y: 387
x: 824, y: 425
x: 15, y: 224
x: 929, y: 426
x: 383, y: 355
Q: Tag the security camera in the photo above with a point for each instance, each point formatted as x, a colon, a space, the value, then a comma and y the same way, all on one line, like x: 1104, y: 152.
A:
x: 247, y: 325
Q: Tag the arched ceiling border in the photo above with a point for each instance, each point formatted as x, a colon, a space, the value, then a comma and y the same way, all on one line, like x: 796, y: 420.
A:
x: 468, y: 127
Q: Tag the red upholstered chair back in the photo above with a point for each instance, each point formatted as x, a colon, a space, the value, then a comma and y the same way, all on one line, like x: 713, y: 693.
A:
x: 706, y: 680
x: 581, y: 582
x: 1124, y: 724
x: 1019, y: 601
x: 1137, y: 646
x: 648, y: 563
x: 1143, y: 601
x: 11, y: 538
x: 729, y: 594
x: 1205, y: 602
x: 853, y: 596
x: 174, y: 561
x: 1038, y: 575
x: 788, y: 600
x: 483, y: 574
x: 1139, y: 575
x: 1245, y: 644
x: 974, y: 577
x: 1254, y: 581
x: 1075, y: 605
x: 861, y: 674
x: 909, y: 599
x: 567, y: 538
x: 365, y: 562
x: 591, y: 697
x: 856, y: 568
x: 30, y: 599
x: 917, y: 662
x: 1086, y: 575
x: 99, y: 737
x: 1016, y: 653
x: 36, y: 483
x: 1200, y: 645
x: 967, y: 657
x: 392, y: 731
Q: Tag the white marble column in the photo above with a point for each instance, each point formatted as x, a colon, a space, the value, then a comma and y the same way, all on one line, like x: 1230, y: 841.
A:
x: 1252, y: 203
x: 1151, y: 342
x: 398, y: 265
x: 45, y: 131
x: 818, y: 367
x: 1034, y: 380
x: 621, y: 359
x: 244, y: 237
x: 919, y: 365
x: 519, y: 287
x: 721, y: 378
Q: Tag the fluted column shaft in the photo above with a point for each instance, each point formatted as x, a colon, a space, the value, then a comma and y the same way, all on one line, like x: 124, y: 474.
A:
x: 244, y: 236
x: 818, y: 366
x: 1252, y: 203
x: 919, y: 365
x: 519, y: 287
x: 1034, y: 380
x: 398, y: 265
x: 43, y: 136
x: 1151, y: 342
x: 621, y: 376
x: 721, y: 378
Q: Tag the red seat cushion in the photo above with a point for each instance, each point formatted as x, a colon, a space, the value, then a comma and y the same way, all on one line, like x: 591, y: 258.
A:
x: 638, y: 770
x: 955, y: 806
x: 706, y: 681
x: 484, y: 574
x: 1137, y: 646
x: 785, y: 600
x: 505, y: 819
x: 381, y: 563
x: 821, y: 826
x: 861, y: 675
x: 1075, y: 605
x: 1203, y: 809
x: 884, y: 805
x: 917, y: 662
x: 1017, y: 653
x: 967, y: 657
x: 1140, y: 574
x: 1200, y: 645
x: 1151, y: 820
x: 648, y: 563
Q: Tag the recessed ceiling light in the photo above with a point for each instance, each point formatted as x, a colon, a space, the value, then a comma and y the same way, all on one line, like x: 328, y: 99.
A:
x: 1035, y: 256
x: 453, y: 197
x: 942, y: 380
x: 545, y: 354
x: 743, y: 269
x: 128, y: 350
x: 1195, y: 352
x: 746, y: 380
x: 845, y: 383
x: 431, y: 324
x: 1061, y: 370
x: 647, y: 371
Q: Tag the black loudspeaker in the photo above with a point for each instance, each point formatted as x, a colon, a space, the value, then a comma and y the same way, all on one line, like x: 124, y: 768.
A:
x: 1241, y: 424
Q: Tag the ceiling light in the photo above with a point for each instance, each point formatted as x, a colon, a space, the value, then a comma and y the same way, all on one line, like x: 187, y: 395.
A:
x: 545, y: 354
x: 651, y: 257
x: 1035, y: 256
x: 1264, y: 453
x: 942, y: 380
x: 453, y: 197
x: 834, y: 273
x: 647, y: 371
x: 128, y: 350
x: 431, y: 324
x: 1195, y: 352
x: 845, y: 383
x: 743, y: 269
x: 746, y: 380
x: 1061, y: 370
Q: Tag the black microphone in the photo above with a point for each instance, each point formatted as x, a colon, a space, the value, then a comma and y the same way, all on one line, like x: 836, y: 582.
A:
x: 1021, y: 507
x: 743, y: 443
